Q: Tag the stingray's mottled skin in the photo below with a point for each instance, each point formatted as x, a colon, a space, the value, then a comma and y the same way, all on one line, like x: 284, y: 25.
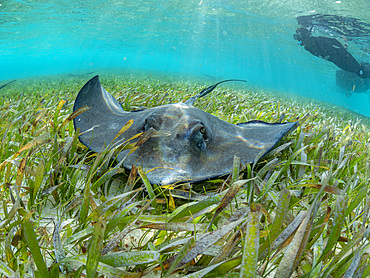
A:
x: 192, y: 145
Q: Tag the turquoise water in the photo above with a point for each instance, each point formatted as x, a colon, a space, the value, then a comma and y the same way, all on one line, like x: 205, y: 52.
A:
x: 250, y: 40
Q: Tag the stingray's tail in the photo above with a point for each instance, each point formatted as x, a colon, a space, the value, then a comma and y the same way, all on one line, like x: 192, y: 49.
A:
x: 206, y: 91
x: 2, y: 86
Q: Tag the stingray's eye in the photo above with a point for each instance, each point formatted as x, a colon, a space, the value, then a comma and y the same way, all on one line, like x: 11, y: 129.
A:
x: 203, y: 131
x: 198, y: 136
x: 151, y: 121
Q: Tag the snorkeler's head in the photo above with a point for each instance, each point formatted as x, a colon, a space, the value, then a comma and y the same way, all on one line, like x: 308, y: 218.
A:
x: 301, y: 34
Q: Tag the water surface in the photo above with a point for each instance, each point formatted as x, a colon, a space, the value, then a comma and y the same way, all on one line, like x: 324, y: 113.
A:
x: 252, y: 40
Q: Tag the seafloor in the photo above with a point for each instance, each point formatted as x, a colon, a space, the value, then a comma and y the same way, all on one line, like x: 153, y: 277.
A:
x: 71, y: 206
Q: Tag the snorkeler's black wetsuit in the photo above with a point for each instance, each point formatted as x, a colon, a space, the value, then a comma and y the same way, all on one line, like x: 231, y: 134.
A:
x: 332, y: 50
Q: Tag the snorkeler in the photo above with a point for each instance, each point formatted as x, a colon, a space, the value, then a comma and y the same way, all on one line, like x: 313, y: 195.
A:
x: 331, y: 50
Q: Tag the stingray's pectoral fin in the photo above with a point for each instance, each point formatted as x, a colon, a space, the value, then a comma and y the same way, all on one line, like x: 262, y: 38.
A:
x: 263, y: 137
x: 103, y: 120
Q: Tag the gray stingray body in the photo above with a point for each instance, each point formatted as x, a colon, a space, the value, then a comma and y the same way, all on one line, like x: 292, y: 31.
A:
x: 191, y: 145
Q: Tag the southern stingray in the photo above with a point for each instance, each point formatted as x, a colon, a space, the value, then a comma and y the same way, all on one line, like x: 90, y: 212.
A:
x: 188, y: 144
